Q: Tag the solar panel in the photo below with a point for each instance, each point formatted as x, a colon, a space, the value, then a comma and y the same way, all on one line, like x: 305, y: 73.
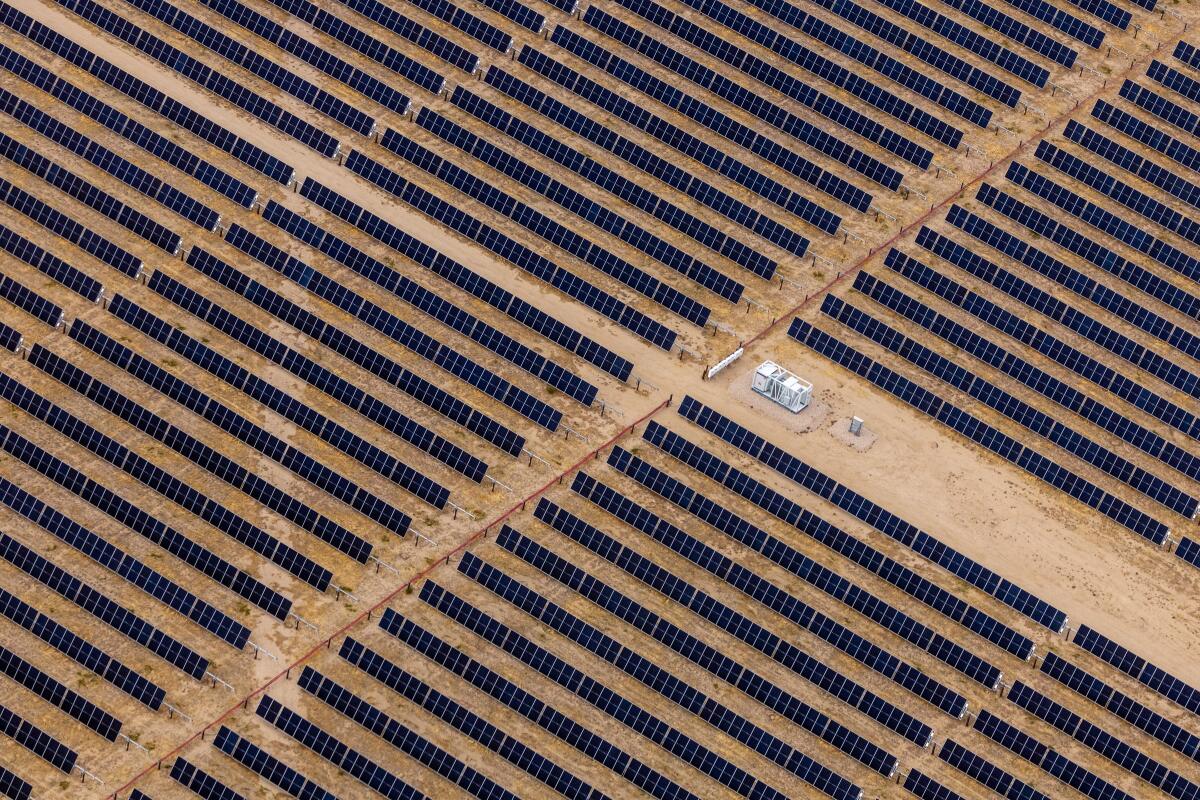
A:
x: 999, y: 443
x: 66, y: 227
x: 403, y: 738
x: 86, y: 193
x: 13, y: 786
x: 693, y: 549
x: 127, y: 172
x: 691, y: 647
x: 144, y: 94
x: 858, y: 506
x: 57, y: 694
x: 518, y: 699
x: 105, y: 609
x: 987, y: 773
x: 1018, y: 31
x: 208, y: 78
x: 398, y: 24
x: 272, y: 769
x: 527, y: 217
x: 986, y: 391
x: 36, y: 741
x: 469, y: 24
x: 925, y: 787
x: 81, y: 651
x: 1131, y: 664
x: 118, y: 561
x: 318, y: 57
x: 467, y: 722
x: 334, y: 751
x: 1056, y: 18
x: 610, y: 221
x: 188, y: 775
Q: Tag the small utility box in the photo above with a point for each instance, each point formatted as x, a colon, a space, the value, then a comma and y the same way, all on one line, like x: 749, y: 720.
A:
x: 785, y: 388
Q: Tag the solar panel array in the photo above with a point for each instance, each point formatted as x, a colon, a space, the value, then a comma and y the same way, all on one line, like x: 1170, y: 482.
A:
x: 665, y: 622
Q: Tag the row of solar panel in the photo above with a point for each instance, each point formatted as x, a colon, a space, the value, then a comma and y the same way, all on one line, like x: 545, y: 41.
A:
x: 924, y: 787
x: 858, y: 506
x: 858, y: 647
x: 1050, y: 761
x: 401, y: 737
x: 375, y: 49
x: 1121, y: 705
x: 162, y: 481
x: 10, y: 338
x: 316, y: 375
x: 57, y: 222
x: 475, y: 284
x: 156, y: 531
x: 1063, y: 235
x: 1125, y: 194
x: 13, y: 786
x: 1153, y: 677
x: 582, y: 206
x: 856, y: 49
x: 980, y: 432
x: 1059, y: 19
x: 102, y: 552
x: 1113, y: 224
x: 631, y: 191
x: 888, y: 31
x: 81, y: 651
x: 366, y: 357
x: 1103, y: 742
x: 1161, y: 107
x: 253, y: 61
x: 397, y: 329
x: 37, y: 741
x: 211, y: 460
x: 1108, y: 12
x: 519, y: 13
x: 397, y: 23
x: 371, y: 456
x: 334, y: 751
x: 1069, y: 278
x: 1189, y: 551
x: 983, y: 390
x: 980, y: 769
x: 526, y: 216
x: 31, y: 303
x: 469, y: 24
x: 466, y: 722
x: 797, y: 90
x: 674, y: 637
x: 645, y: 160
x: 306, y: 417
x: 675, y: 137
x: 204, y: 785
x: 239, y: 426
x: 135, y: 518
x: 45, y: 262
x: 147, y: 96
x: 514, y: 252
x: 793, y: 52
x: 1173, y: 79
x: 1009, y: 363
x: 973, y: 42
x: 1079, y: 362
x: 86, y: 193
x: 120, y: 168
x: 262, y: 763
x: 1133, y: 163
x: 545, y: 716
x: 708, y: 607
x: 362, y: 82
x: 204, y: 76
x: 1019, y: 32
x: 59, y: 695
x: 641, y: 669
x: 726, y: 126
x: 794, y: 125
